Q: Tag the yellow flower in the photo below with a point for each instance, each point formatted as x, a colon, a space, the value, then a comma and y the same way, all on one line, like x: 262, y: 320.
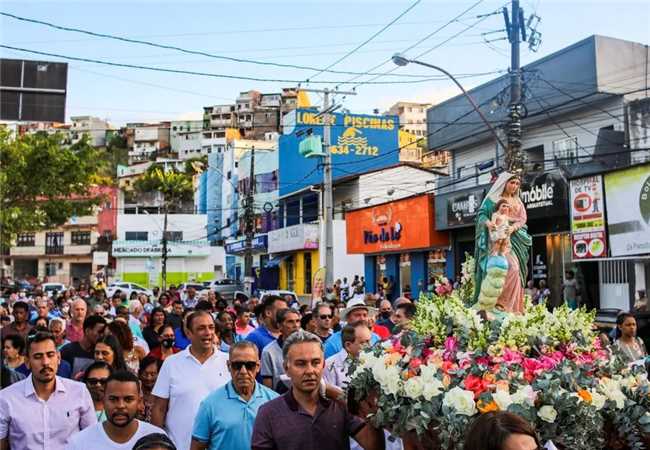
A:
x: 487, y: 407
x: 585, y: 395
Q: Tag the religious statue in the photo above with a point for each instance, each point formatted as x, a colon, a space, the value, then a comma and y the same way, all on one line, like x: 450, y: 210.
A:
x: 502, y: 247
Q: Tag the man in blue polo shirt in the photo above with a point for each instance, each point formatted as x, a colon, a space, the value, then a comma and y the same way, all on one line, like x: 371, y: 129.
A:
x: 225, y: 418
x: 268, y: 331
x: 357, y: 311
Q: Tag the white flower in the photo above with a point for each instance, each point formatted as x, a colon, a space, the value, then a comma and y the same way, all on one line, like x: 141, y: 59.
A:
x: 502, y: 399
x: 432, y: 388
x: 389, y: 379
x: 414, y: 387
x: 547, y: 413
x: 597, y: 400
x: 460, y: 400
x: 612, y: 391
x: 524, y: 396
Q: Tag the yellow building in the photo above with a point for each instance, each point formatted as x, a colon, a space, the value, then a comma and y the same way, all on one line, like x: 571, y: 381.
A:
x: 295, y: 251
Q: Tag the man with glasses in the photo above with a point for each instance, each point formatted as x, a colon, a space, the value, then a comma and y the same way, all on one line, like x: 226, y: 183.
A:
x: 95, y: 377
x: 43, y: 411
x: 225, y: 418
x: 323, y: 316
x: 121, y: 429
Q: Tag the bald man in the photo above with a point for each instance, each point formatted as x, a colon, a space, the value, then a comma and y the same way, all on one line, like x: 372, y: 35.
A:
x: 74, y: 332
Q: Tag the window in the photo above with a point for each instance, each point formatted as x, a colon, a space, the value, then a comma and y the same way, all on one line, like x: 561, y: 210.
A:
x: 54, y: 243
x: 50, y: 269
x: 26, y: 240
x: 174, y: 236
x: 80, y: 238
x: 136, y: 236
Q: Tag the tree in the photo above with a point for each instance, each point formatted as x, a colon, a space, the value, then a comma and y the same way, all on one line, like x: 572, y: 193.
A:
x: 43, y: 182
x: 175, y: 188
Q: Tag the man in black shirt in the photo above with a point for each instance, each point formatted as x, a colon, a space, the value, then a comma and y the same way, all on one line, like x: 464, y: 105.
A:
x: 82, y: 353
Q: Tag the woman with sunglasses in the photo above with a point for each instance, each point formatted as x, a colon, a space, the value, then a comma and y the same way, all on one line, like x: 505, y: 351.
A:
x: 95, y: 377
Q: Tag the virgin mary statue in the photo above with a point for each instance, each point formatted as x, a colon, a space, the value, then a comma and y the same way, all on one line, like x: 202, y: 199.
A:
x: 511, y: 296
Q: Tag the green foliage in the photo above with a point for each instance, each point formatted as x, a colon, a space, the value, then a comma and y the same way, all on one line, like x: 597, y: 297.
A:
x: 43, y: 182
x: 175, y: 186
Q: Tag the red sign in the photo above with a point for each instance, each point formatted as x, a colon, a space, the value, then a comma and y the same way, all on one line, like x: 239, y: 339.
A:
x: 406, y: 224
x: 588, y: 236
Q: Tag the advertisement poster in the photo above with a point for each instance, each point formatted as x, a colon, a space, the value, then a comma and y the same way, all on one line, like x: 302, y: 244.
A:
x: 588, y: 236
x: 628, y: 210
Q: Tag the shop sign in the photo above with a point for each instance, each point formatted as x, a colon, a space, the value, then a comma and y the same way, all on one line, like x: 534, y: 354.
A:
x: 544, y: 195
x: 258, y: 243
x: 588, y: 237
x: 628, y: 210
x: 154, y: 248
x: 100, y: 258
x: 296, y: 237
x: 401, y: 225
x: 462, y: 208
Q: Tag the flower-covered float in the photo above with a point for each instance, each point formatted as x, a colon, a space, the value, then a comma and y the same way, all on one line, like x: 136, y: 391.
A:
x: 548, y: 367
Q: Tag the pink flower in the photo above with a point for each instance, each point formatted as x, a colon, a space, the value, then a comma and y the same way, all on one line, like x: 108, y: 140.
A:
x: 443, y: 289
x: 451, y: 344
x: 532, y: 367
x: 512, y: 356
x: 415, y: 363
x: 483, y: 361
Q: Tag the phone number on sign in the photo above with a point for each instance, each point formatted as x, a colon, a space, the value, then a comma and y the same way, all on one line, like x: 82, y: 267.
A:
x: 352, y: 150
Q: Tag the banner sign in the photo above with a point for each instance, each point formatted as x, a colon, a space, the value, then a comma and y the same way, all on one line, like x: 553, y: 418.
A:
x: 462, y: 208
x: 259, y: 243
x: 628, y: 210
x: 296, y: 237
x: 154, y: 248
x: 544, y: 195
x: 588, y: 236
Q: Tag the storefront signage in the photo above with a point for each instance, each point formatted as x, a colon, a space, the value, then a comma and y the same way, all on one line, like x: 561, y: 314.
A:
x: 296, y: 237
x: 366, y: 141
x: 397, y: 226
x: 587, y: 207
x: 462, y: 208
x: 628, y: 210
x: 258, y: 243
x: 100, y: 258
x: 544, y: 195
x: 154, y: 248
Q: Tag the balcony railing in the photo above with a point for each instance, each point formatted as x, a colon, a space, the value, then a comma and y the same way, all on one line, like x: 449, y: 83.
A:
x: 54, y: 249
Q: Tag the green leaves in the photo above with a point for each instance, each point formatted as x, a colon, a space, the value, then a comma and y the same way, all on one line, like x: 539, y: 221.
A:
x: 175, y: 186
x: 43, y: 183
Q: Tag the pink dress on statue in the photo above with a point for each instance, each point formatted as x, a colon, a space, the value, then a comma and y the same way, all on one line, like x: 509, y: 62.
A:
x: 512, y: 295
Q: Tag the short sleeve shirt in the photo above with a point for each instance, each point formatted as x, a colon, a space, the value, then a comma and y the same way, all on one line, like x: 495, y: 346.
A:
x: 186, y: 382
x: 225, y: 420
x: 282, y: 424
x: 35, y: 424
x: 272, y: 363
x: 95, y: 438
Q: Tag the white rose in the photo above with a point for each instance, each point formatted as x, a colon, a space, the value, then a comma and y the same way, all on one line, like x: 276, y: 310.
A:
x: 597, y: 400
x: 524, y: 396
x: 460, y: 400
x: 414, y: 387
x: 547, y: 413
x: 617, y: 397
x: 502, y: 399
x: 389, y: 379
x: 432, y: 388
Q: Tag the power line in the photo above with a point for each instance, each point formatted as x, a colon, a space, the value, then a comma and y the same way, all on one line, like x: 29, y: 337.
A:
x: 358, y: 47
x: 180, y: 49
x: 204, y: 74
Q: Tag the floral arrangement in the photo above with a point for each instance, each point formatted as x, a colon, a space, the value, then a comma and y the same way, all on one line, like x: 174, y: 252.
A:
x: 548, y: 367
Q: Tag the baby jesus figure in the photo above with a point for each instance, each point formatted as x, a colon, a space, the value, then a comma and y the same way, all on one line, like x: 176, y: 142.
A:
x: 500, y: 228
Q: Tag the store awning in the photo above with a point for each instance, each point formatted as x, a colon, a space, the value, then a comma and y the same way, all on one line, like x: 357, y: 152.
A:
x: 275, y: 262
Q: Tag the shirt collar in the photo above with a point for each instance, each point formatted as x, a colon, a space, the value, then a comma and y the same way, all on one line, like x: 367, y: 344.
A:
x: 29, y: 386
x: 293, y: 404
x: 188, y: 354
x: 233, y: 395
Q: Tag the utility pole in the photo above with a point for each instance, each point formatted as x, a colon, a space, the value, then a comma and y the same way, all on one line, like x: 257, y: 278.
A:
x: 249, y: 215
x: 516, y: 29
x: 328, y: 196
x: 164, y: 250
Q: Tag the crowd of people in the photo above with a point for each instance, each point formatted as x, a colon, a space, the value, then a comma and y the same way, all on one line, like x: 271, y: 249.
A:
x: 184, y: 371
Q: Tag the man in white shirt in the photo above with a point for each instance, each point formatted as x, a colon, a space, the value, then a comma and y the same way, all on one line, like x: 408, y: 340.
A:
x: 355, y: 337
x: 43, y: 411
x: 186, y: 378
x: 121, y: 430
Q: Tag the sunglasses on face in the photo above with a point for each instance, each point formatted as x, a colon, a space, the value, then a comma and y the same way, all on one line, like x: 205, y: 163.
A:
x: 326, y: 316
x: 237, y: 365
x: 93, y: 381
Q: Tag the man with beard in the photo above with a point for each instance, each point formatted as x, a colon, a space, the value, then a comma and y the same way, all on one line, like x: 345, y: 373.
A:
x: 43, y: 410
x: 186, y: 378
x: 121, y: 430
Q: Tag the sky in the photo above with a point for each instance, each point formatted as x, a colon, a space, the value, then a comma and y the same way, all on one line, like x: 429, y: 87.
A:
x: 312, y: 34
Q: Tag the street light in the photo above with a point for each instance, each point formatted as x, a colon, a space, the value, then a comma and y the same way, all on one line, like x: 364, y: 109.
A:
x: 402, y: 61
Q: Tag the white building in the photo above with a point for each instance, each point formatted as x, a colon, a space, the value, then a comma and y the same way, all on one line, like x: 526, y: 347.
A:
x: 412, y: 117
x: 94, y: 127
x: 138, y: 249
x: 185, y: 135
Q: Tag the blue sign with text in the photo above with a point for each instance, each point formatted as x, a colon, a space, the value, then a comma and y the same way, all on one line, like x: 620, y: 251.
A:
x: 359, y: 143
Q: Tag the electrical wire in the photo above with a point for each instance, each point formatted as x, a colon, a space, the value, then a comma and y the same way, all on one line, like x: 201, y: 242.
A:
x: 205, y: 74
x: 358, y: 47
